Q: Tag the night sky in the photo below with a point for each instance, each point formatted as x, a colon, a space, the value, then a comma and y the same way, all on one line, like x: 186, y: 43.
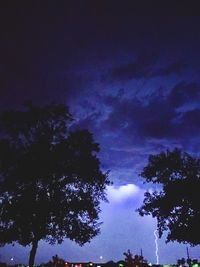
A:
x: 129, y: 74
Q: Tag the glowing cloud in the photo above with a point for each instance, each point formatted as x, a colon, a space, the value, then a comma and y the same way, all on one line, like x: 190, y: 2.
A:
x: 123, y: 192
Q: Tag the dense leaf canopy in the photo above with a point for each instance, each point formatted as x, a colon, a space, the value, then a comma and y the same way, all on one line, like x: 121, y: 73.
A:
x: 51, y: 183
x: 176, y: 203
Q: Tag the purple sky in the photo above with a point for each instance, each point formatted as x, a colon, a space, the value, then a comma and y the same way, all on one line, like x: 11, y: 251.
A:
x: 130, y: 74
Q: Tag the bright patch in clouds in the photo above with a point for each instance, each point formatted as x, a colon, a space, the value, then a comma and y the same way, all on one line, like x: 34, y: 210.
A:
x: 123, y: 192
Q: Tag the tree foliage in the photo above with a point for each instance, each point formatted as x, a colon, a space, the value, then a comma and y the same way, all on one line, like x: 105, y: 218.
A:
x: 51, y: 183
x: 176, y: 203
x: 136, y: 261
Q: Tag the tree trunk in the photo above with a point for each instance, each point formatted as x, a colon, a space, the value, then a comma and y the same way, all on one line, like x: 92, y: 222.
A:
x: 32, y: 253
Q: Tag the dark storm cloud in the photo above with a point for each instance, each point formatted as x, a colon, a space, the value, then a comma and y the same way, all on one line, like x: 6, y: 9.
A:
x: 129, y: 128
x: 189, y: 124
x: 139, y: 120
x: 140, y: 68
x: 174, y: 68
x: 145, y: 67
x: 157, y: 117
x: 131, y: 122
x: 184, y: 93
x: 88, y: 122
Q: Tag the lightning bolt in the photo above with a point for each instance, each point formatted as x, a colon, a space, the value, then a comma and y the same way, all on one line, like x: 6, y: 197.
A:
x: 156, y: 242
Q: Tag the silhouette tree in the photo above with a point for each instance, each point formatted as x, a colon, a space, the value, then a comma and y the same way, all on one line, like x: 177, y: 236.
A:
x: 129, y: 258
x: 51, y: 183
x: 134, y: 261
x: 175, y: 203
